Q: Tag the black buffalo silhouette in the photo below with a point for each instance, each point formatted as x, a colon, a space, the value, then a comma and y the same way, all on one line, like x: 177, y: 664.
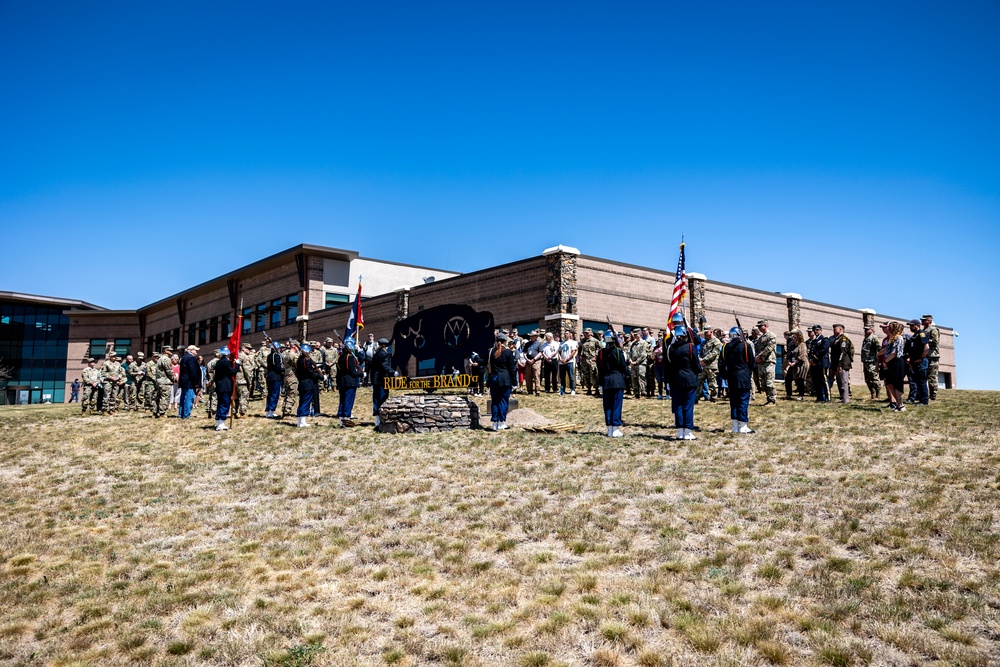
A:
x: 447, y: 334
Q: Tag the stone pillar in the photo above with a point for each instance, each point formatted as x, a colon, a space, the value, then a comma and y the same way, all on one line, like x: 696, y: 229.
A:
x: 402, y: 303
x: 560, y: 289
x: 794, y: 310
x: 867, y: 318
x: 303, y: 322
x: 696, y: 288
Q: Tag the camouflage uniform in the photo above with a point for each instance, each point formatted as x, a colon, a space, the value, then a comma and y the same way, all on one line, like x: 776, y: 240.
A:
x: 710, y: 350
x: 135, y: 372
x: 210, y: 403
x: 587, y: 355
x: 933, y: 358
x: 260, y: 370
x: 114, y: 378
x: 164, y: 385
x: 870, y: 348
x: 148, y: 386
x: 91, y: 383
x: 638, y: 353
x: 244, y: 376
x: 767, y: 357
x: 290, y: 383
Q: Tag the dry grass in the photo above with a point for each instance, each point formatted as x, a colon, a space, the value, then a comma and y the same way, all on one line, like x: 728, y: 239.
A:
x: 837, y: 535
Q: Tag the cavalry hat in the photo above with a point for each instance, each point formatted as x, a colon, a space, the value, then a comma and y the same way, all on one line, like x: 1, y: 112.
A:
x: 761, y: 323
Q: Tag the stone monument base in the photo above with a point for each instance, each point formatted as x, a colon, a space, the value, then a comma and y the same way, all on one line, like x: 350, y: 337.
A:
x: 428, y: 413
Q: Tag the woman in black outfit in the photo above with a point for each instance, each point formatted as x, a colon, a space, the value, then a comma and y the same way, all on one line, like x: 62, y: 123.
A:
x: 683, y: 368
x: 612, y: 371
x: 308, y: 375
x: 501, y: 379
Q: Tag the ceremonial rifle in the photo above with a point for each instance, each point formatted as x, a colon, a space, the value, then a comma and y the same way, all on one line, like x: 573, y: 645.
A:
x: 743, y: 337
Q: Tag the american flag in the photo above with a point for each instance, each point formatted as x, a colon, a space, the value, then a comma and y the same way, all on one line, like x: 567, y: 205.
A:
x: 680, y: 288
x: 355, y: 320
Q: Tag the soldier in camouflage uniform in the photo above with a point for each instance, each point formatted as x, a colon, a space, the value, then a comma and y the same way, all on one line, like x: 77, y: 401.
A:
x: 766, y: 359
x: 210, y: 403
x: 933, y: 355
x: 290, y: 383
x: 130, y: 384
x: 164, y: 382
x: 710, y: 350
x: 841, y: 361
x: 756, y: 387
x: 114, y: 380
x: 638, y: 353
x: 149, y: 382
x: 316, y: 355
x: 244, y: 376
x: 870, y: 347
x: 260, y: 369
x: 587, y: 354
x: 91, y: 387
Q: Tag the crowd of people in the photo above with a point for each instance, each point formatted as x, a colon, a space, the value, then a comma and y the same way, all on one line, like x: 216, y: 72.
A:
x: 683, y: 365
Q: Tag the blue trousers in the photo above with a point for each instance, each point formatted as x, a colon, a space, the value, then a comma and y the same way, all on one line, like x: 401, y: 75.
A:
x: 225, y: 400
x: 820, y: 386
x: 918, y: 376
x: 187, y: 402
x: 273, y: 394
x: 739, y: 404
x: 500, y: 397
x: 613, y: 406
x: 346, y: 406
x: 379, y: 394
x: 567, y: 370
x: 305, y: 403
x: 682, y: 403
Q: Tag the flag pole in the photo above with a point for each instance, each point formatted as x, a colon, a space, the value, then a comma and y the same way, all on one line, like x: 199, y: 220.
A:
x: 232, y: 399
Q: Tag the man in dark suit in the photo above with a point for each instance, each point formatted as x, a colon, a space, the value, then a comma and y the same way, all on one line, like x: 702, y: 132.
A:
x: 189, y: 380
x: 819, y: 363
x: 225, y: 375
x: 381, y: 369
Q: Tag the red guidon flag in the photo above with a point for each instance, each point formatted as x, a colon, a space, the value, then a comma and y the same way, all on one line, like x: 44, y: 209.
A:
x: 234, y: 339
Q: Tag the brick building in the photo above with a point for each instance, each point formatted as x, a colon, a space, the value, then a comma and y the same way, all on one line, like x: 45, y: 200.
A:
x: 305, y: 292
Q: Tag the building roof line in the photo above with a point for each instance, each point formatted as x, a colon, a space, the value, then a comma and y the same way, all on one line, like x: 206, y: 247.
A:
x: 54, y: 300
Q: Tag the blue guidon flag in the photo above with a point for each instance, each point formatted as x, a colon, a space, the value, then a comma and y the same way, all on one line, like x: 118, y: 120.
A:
x: 356, y: 320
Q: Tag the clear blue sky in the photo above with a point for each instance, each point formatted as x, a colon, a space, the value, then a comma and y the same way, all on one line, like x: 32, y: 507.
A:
x: 849, y: 152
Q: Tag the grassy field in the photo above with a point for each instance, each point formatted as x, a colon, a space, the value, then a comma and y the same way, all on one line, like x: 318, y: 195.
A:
x: 836, y: 535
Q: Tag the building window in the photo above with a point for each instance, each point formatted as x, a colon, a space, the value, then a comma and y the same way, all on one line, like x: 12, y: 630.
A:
x: 225, y: 330
x: 203, y: 333
x: 192, y: 332
x: 98, y: 348
x: 292, y: 308
x: 213, y: 330
x: 149, y: 345
x: 123, y: 346
x: 778, y: 373
x: 596, y: 326
x: 524, y: 329
x: 247, y: 320
x: 260, y: 317
x: 333, y: 300
x: 276, y: 313
x: 177, y: 338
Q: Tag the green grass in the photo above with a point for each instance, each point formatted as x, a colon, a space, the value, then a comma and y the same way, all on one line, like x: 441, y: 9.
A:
x: 836, y: 535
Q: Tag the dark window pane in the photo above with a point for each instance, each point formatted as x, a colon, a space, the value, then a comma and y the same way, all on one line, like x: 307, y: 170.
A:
x: 292, y: 309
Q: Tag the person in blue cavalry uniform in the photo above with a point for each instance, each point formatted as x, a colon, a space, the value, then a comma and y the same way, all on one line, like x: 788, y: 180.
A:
x: 501, y: 377
x: 225, y: 375
x: 734, y: 364
x: 308, y: 374
x: 381, y: 369
x: 349, y: 376
x: 683, y: 365
x: 612, y: 374
x: 275, y: 376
